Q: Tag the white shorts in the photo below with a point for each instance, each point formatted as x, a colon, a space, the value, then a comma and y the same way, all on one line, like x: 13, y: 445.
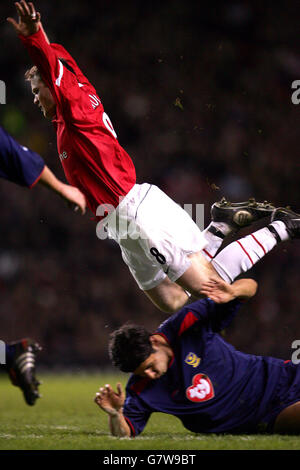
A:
x: 155, y: 235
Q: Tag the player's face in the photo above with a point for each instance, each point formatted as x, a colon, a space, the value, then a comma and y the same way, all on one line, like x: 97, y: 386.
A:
x: 155, y: 365
x: 43, y: 98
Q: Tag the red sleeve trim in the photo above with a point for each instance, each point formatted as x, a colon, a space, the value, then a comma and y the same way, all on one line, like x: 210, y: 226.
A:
x: 187, y: 322
x: 131, y: 426
x: 163, y: 335
x: 37, y: 179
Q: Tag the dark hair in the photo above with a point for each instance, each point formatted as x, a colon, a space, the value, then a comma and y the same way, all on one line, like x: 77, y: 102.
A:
x: 129, y: 346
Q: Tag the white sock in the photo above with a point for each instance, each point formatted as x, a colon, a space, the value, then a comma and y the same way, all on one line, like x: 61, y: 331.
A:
x: 281, y: 229
x: 241, y: 255
x: 214, y: 241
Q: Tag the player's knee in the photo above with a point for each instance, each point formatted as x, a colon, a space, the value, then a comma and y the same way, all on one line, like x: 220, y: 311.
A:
x: 171, y: 308
x: 173, y: 304
x: 168, y: 296
x: 167, y: 307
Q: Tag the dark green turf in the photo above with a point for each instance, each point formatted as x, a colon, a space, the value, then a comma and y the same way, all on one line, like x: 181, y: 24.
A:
x: 67, y: 418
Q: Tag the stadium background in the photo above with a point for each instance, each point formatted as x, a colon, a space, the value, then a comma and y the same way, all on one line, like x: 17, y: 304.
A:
x: 200, y: 97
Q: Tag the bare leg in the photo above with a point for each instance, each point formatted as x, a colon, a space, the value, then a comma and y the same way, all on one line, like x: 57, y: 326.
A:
x: 288, y: 420
x: 168, y: 296
x: 198, y: 273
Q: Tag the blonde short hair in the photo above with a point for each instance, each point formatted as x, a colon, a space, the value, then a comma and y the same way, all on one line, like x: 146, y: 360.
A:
x: 31, y: 73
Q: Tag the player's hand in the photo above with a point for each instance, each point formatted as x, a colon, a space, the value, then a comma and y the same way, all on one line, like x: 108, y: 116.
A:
x: 75, y: 199
x: 108, y: 400
x: 28, y: 19
x: 218, y: 290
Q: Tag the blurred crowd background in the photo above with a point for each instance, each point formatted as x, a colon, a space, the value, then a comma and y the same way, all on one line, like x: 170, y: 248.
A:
x: 200, y: 97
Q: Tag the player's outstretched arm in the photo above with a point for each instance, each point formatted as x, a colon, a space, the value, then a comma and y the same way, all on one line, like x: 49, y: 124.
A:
x: 221, y: 292
x: 71, y: 195
x: 112, y: 403
x: 32, y: 34
x: 45, y: 35
x: 28, y: 19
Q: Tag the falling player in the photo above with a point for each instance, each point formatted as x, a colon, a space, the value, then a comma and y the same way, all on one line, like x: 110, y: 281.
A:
x: 160, y: 243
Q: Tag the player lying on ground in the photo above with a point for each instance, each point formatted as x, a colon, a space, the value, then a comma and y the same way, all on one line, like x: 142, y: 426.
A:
x: 24, y: 167
x: 186, y: 369
x: 160, y: 243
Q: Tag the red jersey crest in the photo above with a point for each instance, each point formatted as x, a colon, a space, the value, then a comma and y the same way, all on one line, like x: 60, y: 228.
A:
x: 201, y: 390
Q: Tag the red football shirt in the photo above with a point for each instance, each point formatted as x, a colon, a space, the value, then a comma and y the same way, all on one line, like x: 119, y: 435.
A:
x: 92, y: 158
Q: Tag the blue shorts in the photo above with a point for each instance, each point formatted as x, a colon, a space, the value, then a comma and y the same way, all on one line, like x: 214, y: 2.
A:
x: 287, y: 393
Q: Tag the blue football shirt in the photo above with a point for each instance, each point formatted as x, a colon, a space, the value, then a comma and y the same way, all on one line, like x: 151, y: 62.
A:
x: 209, y: 385
x: 18, y: 163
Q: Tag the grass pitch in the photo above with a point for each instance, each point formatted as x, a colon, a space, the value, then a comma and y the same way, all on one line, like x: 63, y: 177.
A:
x: 66, y: 418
